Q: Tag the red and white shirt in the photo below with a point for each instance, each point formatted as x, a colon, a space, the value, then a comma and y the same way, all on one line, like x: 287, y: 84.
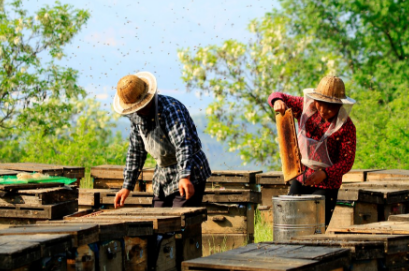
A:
x: 341, y: 144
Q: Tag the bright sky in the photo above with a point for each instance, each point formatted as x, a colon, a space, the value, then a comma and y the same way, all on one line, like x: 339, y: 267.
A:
x: 128, y: 36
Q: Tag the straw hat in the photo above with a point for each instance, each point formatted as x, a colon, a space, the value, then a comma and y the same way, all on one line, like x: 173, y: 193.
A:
x: 331, y: 89
x: 134, y: 92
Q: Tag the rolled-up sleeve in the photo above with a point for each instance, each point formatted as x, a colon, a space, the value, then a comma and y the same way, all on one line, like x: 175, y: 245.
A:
x: 135, y: 158
x: 293, y: 102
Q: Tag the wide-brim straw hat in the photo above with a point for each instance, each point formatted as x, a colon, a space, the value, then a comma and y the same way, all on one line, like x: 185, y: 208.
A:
x: 134, y: 92
x: 331, y: 89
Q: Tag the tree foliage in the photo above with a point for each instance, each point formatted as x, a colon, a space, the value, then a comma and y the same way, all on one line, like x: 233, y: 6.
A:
x: 364, y: 42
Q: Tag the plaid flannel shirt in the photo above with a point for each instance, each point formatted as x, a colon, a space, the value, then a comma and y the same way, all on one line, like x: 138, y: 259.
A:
x: 175, y: 121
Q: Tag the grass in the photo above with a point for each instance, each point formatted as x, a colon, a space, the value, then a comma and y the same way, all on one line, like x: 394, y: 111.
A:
x: 263, y: 230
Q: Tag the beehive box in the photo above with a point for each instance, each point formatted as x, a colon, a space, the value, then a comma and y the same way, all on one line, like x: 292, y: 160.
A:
x: 357, y: 175
x: 26, y: 203
x: 230, y: 222
x: 34, y: 252
x: 112, y: 177
x: 271, y: 185
x: 383, y: 175
x: 232, y: 179
x: 264, y: 256
x: 368, y: 252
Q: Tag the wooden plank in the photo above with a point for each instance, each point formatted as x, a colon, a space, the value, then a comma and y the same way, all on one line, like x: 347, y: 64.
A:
x: 233, y: 176
x: 18, y: 253
x: 374, y: 195
x: 386, y: 227
x: 40, y: 196
x: 167, y: 254
x: 89, y: 197
x: 189, y: 244
x: 137, y: 198
x: 270, y: 178
x: 188, y: 216
x: 51, y: 170
x: 50, y: 244
x: 401, y: 217
x: 274, y: 257
x: 52, y: 211
x: 378, y: 184
x: 80, y: 234
x: 357, y: 175
x: 116, y: 172
x: 389, y: 173
x: 161, y: 224
x: 136, y: 253
x: 11, y: 187
x: 229, y: 219
x: 7, y: 172
x: 232, y: 196
x: 216, y: 243
x: 392, y: 244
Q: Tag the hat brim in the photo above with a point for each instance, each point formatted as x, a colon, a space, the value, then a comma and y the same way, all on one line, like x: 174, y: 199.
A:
x: 150, y: 80
x: 318, y: 97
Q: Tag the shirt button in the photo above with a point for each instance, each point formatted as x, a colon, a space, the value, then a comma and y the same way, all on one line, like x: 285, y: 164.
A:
x: 337, y: 138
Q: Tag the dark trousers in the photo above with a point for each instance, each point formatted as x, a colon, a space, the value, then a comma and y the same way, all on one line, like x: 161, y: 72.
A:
x: 175, y: 200
x: 331, y: 196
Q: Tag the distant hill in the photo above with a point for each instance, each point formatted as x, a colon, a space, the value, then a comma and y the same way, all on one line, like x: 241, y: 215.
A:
x: 216, y: 152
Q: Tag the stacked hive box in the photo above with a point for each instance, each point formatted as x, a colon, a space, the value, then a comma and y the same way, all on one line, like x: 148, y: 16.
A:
x: 186, y: 222
x: 230, y: 199
x: 372, y: 199
x: 271, y: 185
x: 28, y: 203
x: 71, y: 172
x: 112, y: 177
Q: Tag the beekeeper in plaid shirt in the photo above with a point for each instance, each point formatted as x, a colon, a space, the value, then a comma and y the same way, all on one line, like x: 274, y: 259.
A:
x: 162, y: 127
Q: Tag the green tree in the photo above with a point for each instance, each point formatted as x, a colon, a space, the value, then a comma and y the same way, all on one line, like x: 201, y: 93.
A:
x: 364, y: 42
x: 30, y: 80
x: 372, y: 37
x: 241, y: 76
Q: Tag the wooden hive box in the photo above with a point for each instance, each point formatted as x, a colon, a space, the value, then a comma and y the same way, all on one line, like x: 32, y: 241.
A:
x: 112, y: 235
x: 383, y: 175
x: 232, y: 179
x: 81, y: 257
x: 230, y: 218
x: 36, y: 252
x: 7, y: 172
x: 89, y: 199
x: 263, y: 256
x: 367, y: 251
x: 271, y: 185
x: 357, y: 175
x: 390, y: 200
x: 112, y: 177
x: 354, y: 213
x: 189, y: 236
x: 27, y: 205
x: 141, y: 249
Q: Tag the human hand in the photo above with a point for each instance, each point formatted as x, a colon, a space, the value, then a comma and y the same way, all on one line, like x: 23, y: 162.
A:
x: 186, y: 188
x: 316, y: 178
x: 279, y: 106
x: 120, y: 197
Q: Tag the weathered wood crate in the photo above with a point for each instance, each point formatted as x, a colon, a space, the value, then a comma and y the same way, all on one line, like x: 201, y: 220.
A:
x: 355, y: 213
x: 357, y: 175
x: 271, y: 185
x: 232, y: 179
x: 112, y: 177
x: 264, y: 256
x: 112, y: 235
x: 104, y: 199
x: 368, y: 252
x: 24, y: 206
x: 34, y: 252
x: 383, y: 175
x: 390, y: 200
x: 72, y: 172
x: 230, y: 222
x: 7, y: 172
x: 186, y: 222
